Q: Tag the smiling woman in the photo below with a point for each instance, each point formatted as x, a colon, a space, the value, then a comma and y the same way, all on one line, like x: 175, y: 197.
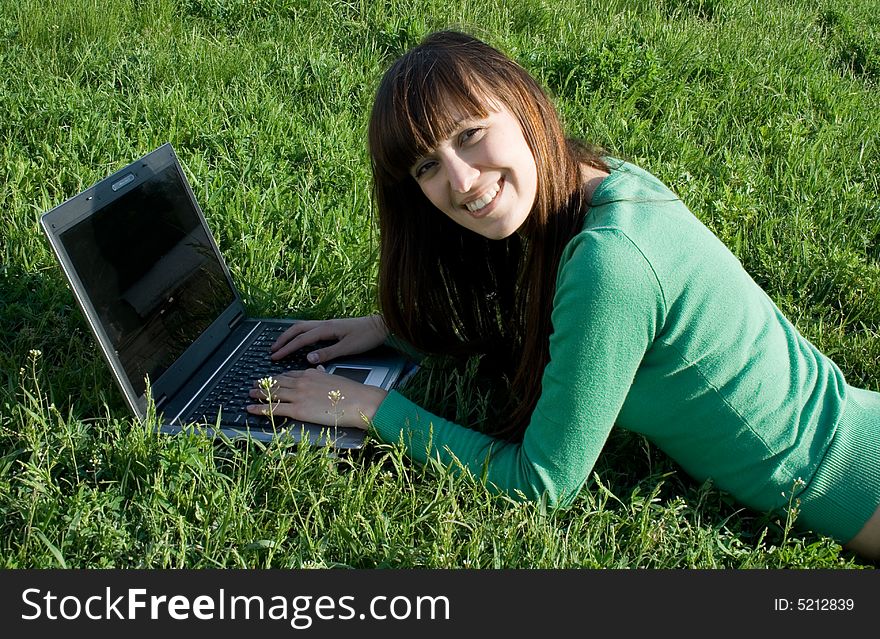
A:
x: 592, y: 287
x: 482, y: 176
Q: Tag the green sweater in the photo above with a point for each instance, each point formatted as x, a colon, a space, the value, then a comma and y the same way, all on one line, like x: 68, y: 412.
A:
x: 657, y: 329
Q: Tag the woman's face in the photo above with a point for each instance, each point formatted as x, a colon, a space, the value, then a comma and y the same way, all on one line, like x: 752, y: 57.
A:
x: 483, y: 176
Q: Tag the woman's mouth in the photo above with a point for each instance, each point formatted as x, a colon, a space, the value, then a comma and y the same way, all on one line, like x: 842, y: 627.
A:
x: 482, y: 205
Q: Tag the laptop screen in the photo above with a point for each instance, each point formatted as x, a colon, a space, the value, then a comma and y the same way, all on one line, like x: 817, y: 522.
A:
x: 151, y: 273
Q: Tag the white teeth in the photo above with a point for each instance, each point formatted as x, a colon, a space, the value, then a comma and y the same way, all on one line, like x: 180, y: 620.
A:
x: 476, y: 205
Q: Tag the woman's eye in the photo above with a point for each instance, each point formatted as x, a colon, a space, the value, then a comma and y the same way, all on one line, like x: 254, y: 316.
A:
x: 471, y: 134
x: 423, y: 168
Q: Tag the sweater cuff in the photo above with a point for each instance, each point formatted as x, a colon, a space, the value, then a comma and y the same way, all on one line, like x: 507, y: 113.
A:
x: 399, y: 420
x: 842, y: 495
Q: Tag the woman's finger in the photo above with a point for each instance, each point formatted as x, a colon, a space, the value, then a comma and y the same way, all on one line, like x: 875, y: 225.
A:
x: 297, y: 337
x: 278, y: 409
x: 294, y: 330
x: 288, y: 377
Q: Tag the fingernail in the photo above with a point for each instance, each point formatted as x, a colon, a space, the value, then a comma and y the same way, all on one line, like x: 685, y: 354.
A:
x: 312, y: 357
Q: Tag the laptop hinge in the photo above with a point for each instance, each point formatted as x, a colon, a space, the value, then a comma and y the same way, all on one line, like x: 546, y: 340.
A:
x: 236, y: 320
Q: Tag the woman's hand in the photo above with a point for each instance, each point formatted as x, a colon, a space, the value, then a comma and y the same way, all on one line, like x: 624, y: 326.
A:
x: 314, y: 396
x: 353, y: 335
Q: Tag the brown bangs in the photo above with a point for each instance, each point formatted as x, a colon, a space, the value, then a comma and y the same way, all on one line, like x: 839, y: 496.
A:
x: 421, y: 100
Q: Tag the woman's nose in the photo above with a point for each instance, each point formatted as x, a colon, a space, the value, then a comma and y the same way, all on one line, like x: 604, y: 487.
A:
x: 461, y: 174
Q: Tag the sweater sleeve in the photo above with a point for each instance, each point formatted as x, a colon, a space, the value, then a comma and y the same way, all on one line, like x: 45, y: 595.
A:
x: 607, y: 309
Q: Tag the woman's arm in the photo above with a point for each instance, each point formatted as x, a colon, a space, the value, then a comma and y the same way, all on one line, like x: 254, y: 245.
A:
x: 607, y: 311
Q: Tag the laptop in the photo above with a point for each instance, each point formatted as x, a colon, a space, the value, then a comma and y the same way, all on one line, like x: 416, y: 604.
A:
x: 158, y: 296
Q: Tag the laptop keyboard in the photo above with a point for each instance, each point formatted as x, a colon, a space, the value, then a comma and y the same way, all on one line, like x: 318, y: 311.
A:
x: 225, y: 404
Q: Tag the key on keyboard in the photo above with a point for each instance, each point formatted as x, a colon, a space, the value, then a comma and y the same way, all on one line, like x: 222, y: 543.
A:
x: 225, y: 404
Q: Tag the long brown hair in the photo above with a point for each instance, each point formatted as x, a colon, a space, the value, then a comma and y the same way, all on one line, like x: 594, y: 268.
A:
x: 442, y: 287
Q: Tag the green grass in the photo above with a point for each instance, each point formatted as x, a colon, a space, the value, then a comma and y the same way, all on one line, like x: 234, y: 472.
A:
x: 763, y: 116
